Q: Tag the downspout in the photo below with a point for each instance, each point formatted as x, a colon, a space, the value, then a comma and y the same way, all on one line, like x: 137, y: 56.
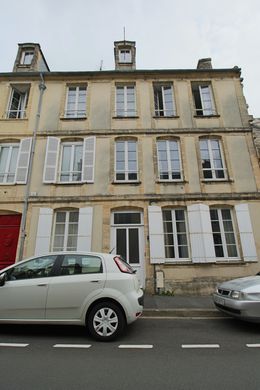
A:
x: 42, y: 88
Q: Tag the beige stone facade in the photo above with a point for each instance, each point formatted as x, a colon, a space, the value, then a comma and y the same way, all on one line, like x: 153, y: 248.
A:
x: 207, y: 105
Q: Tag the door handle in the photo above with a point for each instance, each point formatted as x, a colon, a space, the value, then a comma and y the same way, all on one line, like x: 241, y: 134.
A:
x: 95, y: 281
x: 42, y: 285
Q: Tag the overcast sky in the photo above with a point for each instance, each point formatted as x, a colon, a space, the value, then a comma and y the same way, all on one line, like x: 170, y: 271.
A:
x: 79, y: 34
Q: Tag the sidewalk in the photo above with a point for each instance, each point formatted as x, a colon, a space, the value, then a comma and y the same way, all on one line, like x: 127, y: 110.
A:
x: 179, y: 306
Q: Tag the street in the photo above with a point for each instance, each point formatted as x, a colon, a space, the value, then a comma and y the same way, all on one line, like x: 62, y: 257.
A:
x: 179, y: 354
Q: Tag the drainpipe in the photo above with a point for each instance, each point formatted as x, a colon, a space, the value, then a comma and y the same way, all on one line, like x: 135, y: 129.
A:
x: 42, y: 88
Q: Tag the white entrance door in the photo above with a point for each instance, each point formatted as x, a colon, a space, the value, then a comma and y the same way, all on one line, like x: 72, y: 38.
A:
x: 128, y: 239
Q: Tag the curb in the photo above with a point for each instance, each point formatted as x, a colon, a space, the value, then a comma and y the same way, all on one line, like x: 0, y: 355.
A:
x: 181, y: 313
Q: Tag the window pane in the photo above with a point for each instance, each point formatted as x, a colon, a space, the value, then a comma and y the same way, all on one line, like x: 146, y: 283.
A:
x: 133, y: 246
x: 121, y: 243
x: 127, y: 218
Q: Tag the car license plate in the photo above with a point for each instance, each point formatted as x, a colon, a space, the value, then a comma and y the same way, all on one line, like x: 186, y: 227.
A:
x: 219, y: 300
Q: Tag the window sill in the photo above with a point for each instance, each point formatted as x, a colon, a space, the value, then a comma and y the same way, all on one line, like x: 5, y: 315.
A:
x: 14, y: 119
x: 69, y: 183
x: 171, y: 181
x: 75, y: 118
x: 214, y: 181
x: 126, y: 117
x: 166, y: 117
x: 132, y: 182
x: 207, y: 116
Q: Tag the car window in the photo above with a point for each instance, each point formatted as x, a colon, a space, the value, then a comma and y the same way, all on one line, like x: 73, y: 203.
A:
x: 81, y: 264
x: 39, y: 267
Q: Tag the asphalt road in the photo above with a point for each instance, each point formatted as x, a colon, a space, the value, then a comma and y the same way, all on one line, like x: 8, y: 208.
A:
x: 180, y: 354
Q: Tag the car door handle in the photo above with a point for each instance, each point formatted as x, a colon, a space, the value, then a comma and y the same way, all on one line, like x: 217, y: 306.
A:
x: 42, y: 285
x: 95, y: 281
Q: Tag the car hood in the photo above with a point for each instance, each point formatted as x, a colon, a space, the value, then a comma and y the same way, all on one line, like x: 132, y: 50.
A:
x: 241, y: 283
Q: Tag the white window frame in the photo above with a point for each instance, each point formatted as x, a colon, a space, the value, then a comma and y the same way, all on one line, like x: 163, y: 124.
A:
x: 213, y: 169
x: 70, y: 172
x: 8, y: 162
x: 76, y: 113
x: 66, y: 231
x: 177, y: 257
x: 206, y: 111
x: 125, y: 112
x: 125, y: 56
x: 160, y: 88
x: 222, y: 233
x: 169, y: 170
x: 126, y: 171
x: 26, y: 53
x: 20, y: 113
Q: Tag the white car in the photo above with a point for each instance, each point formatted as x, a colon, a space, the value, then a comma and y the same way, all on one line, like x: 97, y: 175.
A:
x: 98, y: 290
x: 240, y: 298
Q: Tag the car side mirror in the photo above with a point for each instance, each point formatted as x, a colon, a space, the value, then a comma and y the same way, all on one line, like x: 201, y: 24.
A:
x: 3, y: 278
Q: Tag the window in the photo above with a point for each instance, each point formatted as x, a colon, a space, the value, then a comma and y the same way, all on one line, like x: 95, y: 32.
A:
x: 77, y: 264
x: 223, y: 233
x: 27, y: 57
x: 65, y: 231
x: 175, y: 234
x: 125, y: 56
x: 125, y: 101
x: 203, y: 99
x: 212, y: 159
x: 169, y: 162
x: 71, y: 162
x: 126, y: 161
x: 18, y: 102
x: 8, y: 162
x: 76, y: 102
x: 163, y: 100
x: 39, y: 267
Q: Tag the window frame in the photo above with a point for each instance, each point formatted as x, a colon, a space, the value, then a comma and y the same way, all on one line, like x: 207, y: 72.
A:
x: 197, y: 92
x: 174, y: 234
x: 126, y: 171
x: 160, y: 88
x: 123, y: 57
x: 169, y: 161
x: 70, y: 173
x: 23, y: 57
x: 66, y: 231
x: 222, y: 233
x: 212, y: 168
x: 20, y: 112
x: 126, y: 113
x: 77, y: 113
x: 11, y: 147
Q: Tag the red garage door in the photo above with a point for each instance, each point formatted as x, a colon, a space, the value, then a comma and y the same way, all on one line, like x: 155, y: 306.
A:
x: 9, y: 234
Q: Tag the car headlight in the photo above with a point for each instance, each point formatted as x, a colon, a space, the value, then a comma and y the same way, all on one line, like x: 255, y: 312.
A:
x: 236, y: 294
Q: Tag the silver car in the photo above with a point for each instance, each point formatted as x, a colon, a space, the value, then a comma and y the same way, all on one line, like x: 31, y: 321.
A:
x: 98, y: 290
x: 240, y: 298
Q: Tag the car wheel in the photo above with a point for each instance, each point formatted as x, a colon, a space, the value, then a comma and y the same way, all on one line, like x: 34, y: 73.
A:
x: 106, y: 321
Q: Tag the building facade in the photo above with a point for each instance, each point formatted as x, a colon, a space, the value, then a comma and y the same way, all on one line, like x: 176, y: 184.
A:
x: 159, y: 166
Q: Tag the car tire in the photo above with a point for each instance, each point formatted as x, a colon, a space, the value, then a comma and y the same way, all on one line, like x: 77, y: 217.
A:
x: 106, y: 321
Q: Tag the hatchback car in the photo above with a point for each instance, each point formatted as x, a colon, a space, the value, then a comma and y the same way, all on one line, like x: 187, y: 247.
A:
x: 240, y: 298
x: 98, y: 290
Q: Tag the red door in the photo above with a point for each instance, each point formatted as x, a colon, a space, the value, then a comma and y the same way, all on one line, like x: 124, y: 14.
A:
x: 9, y: 234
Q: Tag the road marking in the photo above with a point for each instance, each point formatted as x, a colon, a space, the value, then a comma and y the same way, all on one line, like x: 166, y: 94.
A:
x: 72, y: 346
x: 200, y: 346
x: 19, y: 345
x: 137, y: 346
x: 253, y: 345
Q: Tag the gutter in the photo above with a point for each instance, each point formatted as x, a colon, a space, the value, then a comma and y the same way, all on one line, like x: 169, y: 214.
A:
x: 42, y: 88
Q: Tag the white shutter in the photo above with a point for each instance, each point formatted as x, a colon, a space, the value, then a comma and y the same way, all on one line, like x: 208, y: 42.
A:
x: 246, y: 232
x: 23, y: 161
x: 51, y: 160
x: 85, y: 229
x: 156, y: 237
x: 89, y: 159
x: 43, y: 238
x: 201, y: 237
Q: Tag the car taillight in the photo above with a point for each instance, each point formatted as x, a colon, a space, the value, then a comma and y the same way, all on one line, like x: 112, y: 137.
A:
x: 123, y: 266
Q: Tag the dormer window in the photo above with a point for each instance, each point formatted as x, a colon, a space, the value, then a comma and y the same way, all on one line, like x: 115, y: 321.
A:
x: 125, y: 56
x: 27, y: 57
